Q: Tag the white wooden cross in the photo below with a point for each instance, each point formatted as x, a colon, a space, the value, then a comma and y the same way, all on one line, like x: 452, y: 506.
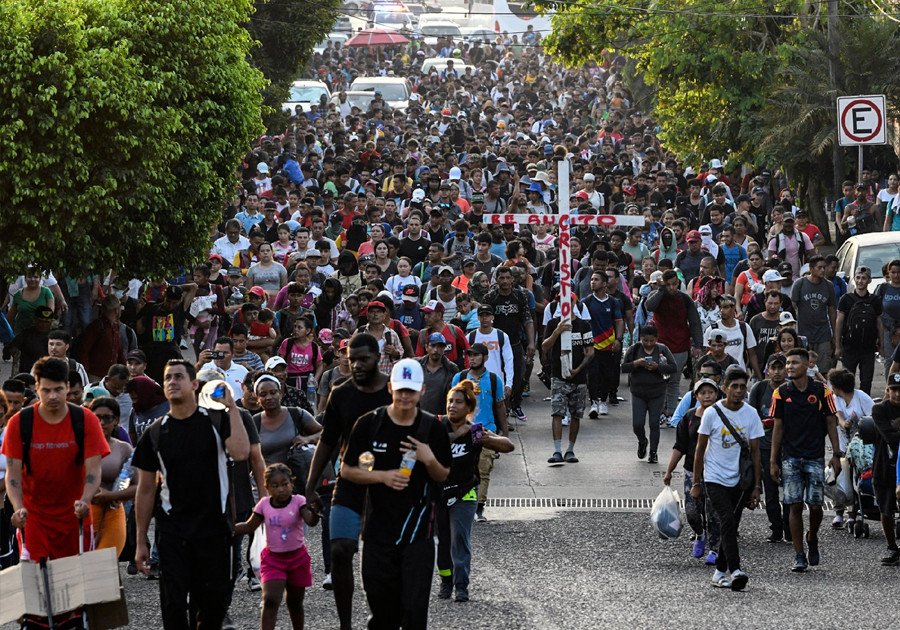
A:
x: 564, y: 220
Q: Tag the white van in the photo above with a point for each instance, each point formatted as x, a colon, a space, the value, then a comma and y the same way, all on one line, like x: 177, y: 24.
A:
x: 394, y: 90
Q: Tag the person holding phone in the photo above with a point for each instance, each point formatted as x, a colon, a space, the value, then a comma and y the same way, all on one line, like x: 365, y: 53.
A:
x: 456, y: 506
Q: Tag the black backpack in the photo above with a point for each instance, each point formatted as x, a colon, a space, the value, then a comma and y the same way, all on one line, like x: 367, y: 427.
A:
x: 300, y: 458
x: 860, y: 328
x: 26, y: 431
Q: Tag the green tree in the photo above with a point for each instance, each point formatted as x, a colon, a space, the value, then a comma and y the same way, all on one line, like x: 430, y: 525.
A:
x: 286, y: 31
x: 123, y: 123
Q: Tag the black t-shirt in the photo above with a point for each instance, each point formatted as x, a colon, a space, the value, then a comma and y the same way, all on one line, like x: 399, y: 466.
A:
x: 345, y: 404
x: 582, y: 337
x: 194, y: 464
x: 396, y: 517
x: 686, y: 437
x: 887, y: 421
x: 464, y: 469
x: 764, y: 330
x: 802, y: 415
x: 243, y: 491
x: 162, y: 326
x: 510, y: 312
x: 417, y: 250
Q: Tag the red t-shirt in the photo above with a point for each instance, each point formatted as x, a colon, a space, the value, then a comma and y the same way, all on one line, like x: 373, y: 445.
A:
x: 54, y: 481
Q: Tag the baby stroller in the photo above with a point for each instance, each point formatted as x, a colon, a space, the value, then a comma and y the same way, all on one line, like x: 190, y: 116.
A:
x: 860, y: 454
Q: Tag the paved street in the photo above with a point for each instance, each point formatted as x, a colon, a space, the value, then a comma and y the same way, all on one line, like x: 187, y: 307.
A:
x: 537, y: 567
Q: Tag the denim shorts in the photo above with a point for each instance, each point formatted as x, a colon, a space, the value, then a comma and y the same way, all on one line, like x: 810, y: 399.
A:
x: 343, y: 523
x: 804, y: 480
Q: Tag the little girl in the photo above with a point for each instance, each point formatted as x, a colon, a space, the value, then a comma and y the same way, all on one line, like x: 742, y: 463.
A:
x: 284, y: 561
x: 401, y: 279
x: 304, y: 359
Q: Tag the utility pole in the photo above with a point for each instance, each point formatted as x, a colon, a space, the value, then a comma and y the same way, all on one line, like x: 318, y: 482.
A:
x: 836, y: 78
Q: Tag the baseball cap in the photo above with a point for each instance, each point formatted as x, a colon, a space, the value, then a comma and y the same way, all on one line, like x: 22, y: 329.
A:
x: 136, y: 355
x: 433, y: 306
x: 776, y: 358
x: 44, y: 313
x: 442, y: 268
x: 588, y: 177
x: 581, y: 194
x: 407, y: 374
x: 705, y: 230
x: 274, y: 362
x: 418, y: 195
x: 478, y: 348
x: 894, y: 380
x: 218, y: 257
x: 788, y: 216
x: 234, y: 271
x: 485, y: 309
x: 258, y: 291
x: 335, y: 217
x: 704, y: 381
x: 468, y: 260
x: 95, y: 392
x: 410, y: 293
x: 376, y: 304
x: 785, y: 268
x: 477, y: 197
x: 656, y: 276
x: 629, y: 190
x: 772, y: 276
x: 262, y: 167
x: 326, y: 336
x: 693, y: 235
x: 437, y: 338
x: 786, y: 318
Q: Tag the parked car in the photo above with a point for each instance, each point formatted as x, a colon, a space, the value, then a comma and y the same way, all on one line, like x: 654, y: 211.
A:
x: 441, y: 62
x: 432, y: 29
x: 868, y: 250
x: 356, y: 98
x: 342, y: 24
x: 395, y: 20
x: 394, y: 90
x: 305, y: 93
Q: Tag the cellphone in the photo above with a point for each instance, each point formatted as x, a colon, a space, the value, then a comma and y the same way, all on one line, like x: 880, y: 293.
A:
x: 477, y: 432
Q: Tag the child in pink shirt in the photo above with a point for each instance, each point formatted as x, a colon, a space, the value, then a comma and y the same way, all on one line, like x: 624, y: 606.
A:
x: 284, y: 562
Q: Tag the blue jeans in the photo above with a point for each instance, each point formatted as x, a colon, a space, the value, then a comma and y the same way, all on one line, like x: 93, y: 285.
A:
x: 454, y: 528
x: 803, y: 480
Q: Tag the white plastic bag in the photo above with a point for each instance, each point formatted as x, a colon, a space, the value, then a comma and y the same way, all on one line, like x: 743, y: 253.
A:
x: 666, y: 514
x: 840, y: 489
x: 256, y: 547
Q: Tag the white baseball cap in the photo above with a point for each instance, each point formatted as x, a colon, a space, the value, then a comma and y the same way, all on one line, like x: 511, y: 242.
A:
x: 407, y: 374
x: 274, y: 362
x: 455, y: 174
x: 418, y: 195
x: 772, y: 275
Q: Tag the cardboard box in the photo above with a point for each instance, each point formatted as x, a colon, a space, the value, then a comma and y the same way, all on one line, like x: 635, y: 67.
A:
x: 75, y: 581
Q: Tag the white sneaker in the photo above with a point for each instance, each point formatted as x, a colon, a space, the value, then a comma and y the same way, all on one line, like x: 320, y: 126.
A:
x: 595, y: 410
x: 838, y: 522
x: 566, y: 420
x: 326, y: 583
x: 602, y: 408
x: 721, y: 579
x: 739, y: 580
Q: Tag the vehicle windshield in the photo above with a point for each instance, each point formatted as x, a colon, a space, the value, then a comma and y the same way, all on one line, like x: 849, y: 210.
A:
x: 874, y: 256
x: 306, y: 94
x: 361, y: 100
x: 389, y: 91
x: 392, y: 17
x: 437, y: 30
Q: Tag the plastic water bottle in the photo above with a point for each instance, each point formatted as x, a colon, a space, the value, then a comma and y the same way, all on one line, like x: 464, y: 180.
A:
x: 124, y: 479
x: 311, y: 391
x: 626, y: 340
x: 408, y: 463
x: 236, y: 297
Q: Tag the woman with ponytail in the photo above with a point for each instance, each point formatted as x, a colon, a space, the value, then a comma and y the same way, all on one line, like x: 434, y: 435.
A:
x: 459, y: 496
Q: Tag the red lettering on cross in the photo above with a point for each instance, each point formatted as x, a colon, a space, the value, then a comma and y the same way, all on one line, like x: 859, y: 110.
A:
x: 565, y: 309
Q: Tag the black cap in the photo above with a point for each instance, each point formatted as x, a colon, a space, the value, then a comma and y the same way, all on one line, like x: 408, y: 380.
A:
x: 785, y: 267
x: 486, y: 309
x: 136, y: 355
x: 894, y: 380
x: 480, y: 348
x: 336, y: 217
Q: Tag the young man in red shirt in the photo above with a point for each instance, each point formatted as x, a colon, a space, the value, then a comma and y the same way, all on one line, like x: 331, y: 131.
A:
x: 51, y: 484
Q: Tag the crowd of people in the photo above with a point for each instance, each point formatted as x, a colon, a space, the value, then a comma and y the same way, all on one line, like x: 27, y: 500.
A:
x: 360, y: 342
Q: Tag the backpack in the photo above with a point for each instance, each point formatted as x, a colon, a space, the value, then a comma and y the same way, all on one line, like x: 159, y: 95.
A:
x: 26, y: 432
x: 860, y: 328
x: 495, y: 387
x: 781, y: 245
x: 743, y: 326
x: 501, y: 339
x: 300, y: 457
x: 216, y: 419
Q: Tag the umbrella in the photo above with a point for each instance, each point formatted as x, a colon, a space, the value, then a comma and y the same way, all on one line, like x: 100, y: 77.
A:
x: 376, y: 37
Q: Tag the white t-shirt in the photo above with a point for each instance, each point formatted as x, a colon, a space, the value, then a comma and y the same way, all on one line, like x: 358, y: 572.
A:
x: 580, y: 311
x: 734, y: 339
x: 493, y: 364
x: 860, y: 405
x: 723, y: 453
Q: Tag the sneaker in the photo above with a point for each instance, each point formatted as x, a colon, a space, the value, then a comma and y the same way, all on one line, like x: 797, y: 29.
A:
x: 462, y: 594
x: 813, y: 553
x: 479, y: 515
x: 446, y: 589
x: 519, y: 414
x: 603, y: 408
x: 739, y: 580
x: 556, y: 458
x: 653, y: 459
x: 721, y: 579
x: 892, y: 559
x: 711, y: 558
x: 154, y: 572
x: 698, y: 547
x: 228, y: 624
x: 131, y: 569
x: 774, y: 537
x: 570, y: 458
x: 326, y: 583
x: 595, y: 410
x: 620, y: 398
x: 837, y: 522
x: 254, y: 584
x: 566, y: 421
x: 801, y: 564
x: 664, y: 420
x: 642, y: 449
x: 613, y: 400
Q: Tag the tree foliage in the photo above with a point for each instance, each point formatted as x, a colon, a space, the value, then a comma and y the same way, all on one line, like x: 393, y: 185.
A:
x: 286, y: 31
x: 122, y: 124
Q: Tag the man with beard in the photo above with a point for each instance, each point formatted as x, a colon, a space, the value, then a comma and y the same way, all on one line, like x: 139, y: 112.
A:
x: 364, y: 391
